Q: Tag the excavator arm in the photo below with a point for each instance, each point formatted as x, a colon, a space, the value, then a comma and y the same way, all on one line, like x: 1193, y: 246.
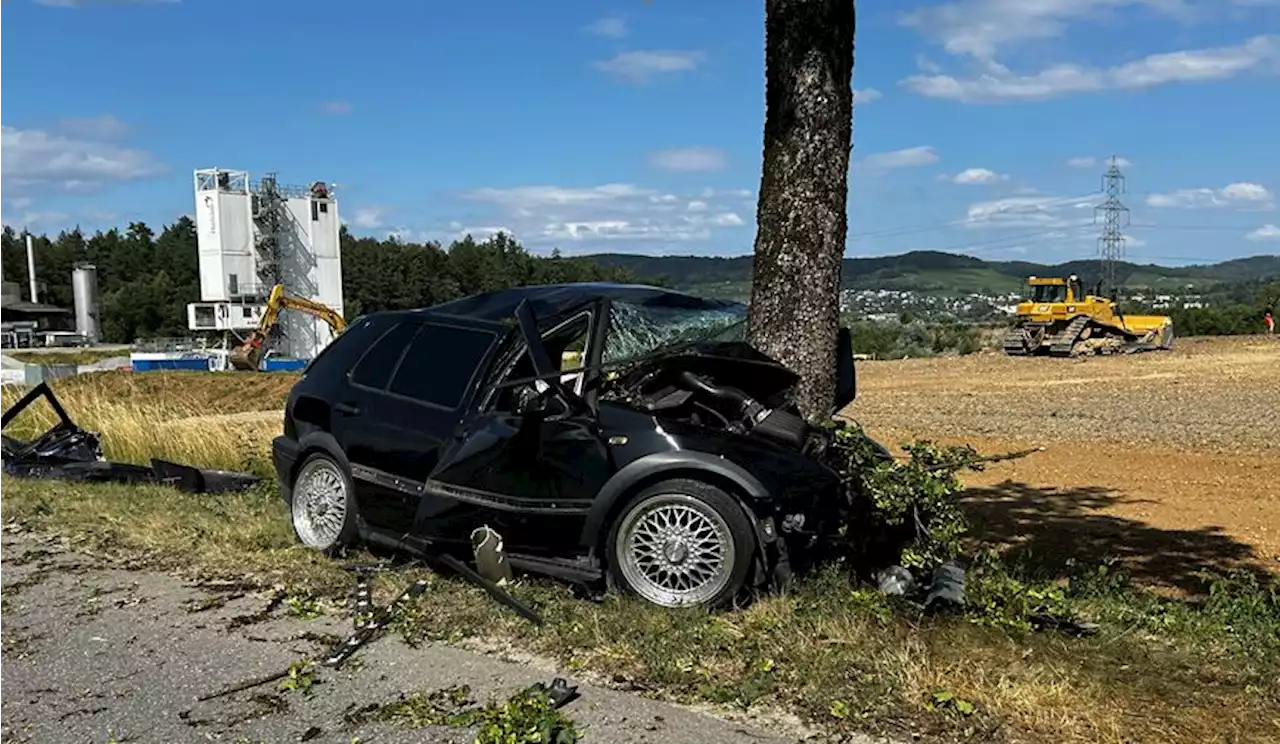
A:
x: 248, y: 355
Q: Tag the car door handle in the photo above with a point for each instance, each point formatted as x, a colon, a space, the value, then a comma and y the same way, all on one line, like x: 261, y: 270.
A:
x: 347, y: 408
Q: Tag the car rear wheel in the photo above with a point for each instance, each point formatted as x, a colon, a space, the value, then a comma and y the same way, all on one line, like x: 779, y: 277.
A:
x: 322, y: 504
x: 681, y: 543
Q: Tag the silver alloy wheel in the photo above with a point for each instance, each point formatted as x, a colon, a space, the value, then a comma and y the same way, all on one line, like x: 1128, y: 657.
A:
x: 319, y: 504
x: 675, y: 550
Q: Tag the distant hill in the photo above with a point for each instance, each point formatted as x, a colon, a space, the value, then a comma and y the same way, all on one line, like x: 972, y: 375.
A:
x: 937, y: 273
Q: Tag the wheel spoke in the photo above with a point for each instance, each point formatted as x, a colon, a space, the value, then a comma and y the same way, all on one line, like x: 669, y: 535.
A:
x: 675, y: 550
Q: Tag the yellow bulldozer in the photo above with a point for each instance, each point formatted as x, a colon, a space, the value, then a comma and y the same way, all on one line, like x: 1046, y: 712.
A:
x: 1060, y: 320
x: 248, y: 355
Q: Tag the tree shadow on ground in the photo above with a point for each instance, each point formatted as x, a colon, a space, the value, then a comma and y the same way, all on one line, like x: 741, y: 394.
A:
x: 1045, y: 527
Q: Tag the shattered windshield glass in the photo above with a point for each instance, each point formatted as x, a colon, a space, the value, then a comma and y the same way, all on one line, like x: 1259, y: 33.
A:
x: 636, y: 330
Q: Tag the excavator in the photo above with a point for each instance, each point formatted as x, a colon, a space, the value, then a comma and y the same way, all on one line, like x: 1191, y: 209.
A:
x: 1061, y: 320
x: 248, y: 355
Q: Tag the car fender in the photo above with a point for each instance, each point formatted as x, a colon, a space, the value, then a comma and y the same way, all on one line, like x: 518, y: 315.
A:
x: 324, y: 442
x: 678, y: 463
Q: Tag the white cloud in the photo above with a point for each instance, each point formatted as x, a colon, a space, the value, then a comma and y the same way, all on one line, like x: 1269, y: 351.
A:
x: 35, y: 159
x: 609, y: 212
x: 975, y: 177
x: 1266, y: 232
x: 104, y: 128
x: 981, y: 28
x: 336, y: 108
x: 866, y: 95
x: 910, y: 157
x: 1242, y: 195
x: 996, y: 82
x: 1028, y: 211
x: 689, y: 159
x: 36, y: 220
x: 611, y: 28
x: 479, y: 233
x: 640, y: 66
x: 1089, y: 161
x: 368, y: 218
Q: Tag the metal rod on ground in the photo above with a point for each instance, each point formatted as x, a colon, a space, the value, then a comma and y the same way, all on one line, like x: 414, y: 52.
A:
x: 240, y: 686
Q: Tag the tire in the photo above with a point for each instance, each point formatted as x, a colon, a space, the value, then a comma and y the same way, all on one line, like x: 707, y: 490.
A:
x: 728, y: 545
x: 321, y: 487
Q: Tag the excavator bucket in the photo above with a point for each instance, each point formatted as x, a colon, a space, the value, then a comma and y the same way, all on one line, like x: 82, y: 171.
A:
x: 246, y: 357
x: 245, y: 360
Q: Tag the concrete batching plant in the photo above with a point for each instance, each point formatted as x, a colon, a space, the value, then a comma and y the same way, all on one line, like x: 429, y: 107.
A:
x: 253, y: 236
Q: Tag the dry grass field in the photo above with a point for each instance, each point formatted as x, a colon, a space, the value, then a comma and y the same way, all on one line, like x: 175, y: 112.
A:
x: 1170, y: 460
x: 1164, y: 461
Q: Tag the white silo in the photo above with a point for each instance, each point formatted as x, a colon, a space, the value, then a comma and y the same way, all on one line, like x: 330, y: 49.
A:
x: 84, y: 293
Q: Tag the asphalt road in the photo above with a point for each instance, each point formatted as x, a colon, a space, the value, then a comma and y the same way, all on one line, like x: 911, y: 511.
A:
x: 97, y: 654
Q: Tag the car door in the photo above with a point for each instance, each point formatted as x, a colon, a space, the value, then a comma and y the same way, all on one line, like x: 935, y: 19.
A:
x: 403, y: 404
x: 527, y: 463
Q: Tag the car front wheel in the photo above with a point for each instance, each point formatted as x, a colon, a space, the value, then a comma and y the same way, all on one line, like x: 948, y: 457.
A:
x: 681, y: 543
x: 322, y: 504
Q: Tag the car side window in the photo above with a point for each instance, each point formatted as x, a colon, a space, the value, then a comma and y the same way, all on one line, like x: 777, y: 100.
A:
x: 375, y: 367
x: 566, y: 345
x: 440, y: 364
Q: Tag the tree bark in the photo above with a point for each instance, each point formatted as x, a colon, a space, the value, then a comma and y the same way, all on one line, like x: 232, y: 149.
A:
x: 801, y: 218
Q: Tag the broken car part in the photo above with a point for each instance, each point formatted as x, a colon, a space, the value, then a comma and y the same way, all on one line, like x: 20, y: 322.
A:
x: 491, y: 559
x: 67, y: 452
x: 606, y: 431
x: 435, y: 559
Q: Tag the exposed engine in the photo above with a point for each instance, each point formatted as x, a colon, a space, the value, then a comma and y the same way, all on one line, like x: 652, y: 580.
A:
x: 693, y: 389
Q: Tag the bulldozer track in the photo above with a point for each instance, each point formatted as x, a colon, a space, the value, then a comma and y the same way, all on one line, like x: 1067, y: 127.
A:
x: 1066, y: 340
x: 1014, y: 343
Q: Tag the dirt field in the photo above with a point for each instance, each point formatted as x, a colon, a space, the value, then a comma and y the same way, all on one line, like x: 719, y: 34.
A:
x: 1169, y: 460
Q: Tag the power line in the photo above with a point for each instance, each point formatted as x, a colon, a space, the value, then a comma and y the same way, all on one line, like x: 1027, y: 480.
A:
x: 1115, y: 218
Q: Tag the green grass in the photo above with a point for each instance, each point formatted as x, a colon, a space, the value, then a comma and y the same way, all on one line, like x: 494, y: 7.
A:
x: 841, y: 656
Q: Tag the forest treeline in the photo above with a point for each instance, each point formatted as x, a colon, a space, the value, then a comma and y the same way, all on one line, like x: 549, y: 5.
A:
x: 145, y: 280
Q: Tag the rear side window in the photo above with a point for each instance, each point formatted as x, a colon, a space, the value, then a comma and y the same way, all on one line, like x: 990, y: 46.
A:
x: 440, y: 364
x: 375, y: 367
x: 348, y: 346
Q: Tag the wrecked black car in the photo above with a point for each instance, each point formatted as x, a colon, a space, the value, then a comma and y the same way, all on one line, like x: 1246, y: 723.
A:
x: 605, y: 431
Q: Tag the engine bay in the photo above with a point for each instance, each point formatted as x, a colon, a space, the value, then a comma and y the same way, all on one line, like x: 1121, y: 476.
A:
x: 742, y: 392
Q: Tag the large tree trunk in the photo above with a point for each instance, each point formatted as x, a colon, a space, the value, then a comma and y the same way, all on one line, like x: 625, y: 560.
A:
x: 801, y: 216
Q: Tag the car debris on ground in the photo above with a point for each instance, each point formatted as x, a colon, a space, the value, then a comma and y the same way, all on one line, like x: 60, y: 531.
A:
x: 67, y: 452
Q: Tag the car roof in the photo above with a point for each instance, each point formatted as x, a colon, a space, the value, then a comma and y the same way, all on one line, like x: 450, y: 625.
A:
x: 550, y: 300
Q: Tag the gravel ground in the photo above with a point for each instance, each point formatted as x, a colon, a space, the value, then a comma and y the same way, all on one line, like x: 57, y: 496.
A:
x: 94, y: 654
x: 1175, y: 454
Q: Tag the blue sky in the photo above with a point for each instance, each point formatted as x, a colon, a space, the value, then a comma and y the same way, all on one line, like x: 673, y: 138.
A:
x: 982, y: 126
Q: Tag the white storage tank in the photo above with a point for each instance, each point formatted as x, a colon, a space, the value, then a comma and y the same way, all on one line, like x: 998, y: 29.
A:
x: 84, y: 292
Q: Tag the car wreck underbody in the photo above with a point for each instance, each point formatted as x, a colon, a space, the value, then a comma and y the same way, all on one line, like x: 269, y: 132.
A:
x: 610, y: 435
x: 68, y: 452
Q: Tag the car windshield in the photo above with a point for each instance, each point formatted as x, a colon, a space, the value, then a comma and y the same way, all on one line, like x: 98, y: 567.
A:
x: 636, y: 330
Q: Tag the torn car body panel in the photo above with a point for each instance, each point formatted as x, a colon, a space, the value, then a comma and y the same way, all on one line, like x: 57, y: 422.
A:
x: 67, y: 452
x: 543, y: 413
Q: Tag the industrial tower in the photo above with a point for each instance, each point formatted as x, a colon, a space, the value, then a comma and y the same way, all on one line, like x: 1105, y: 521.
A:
x: 1115, y: 217
x: 254, y: 236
